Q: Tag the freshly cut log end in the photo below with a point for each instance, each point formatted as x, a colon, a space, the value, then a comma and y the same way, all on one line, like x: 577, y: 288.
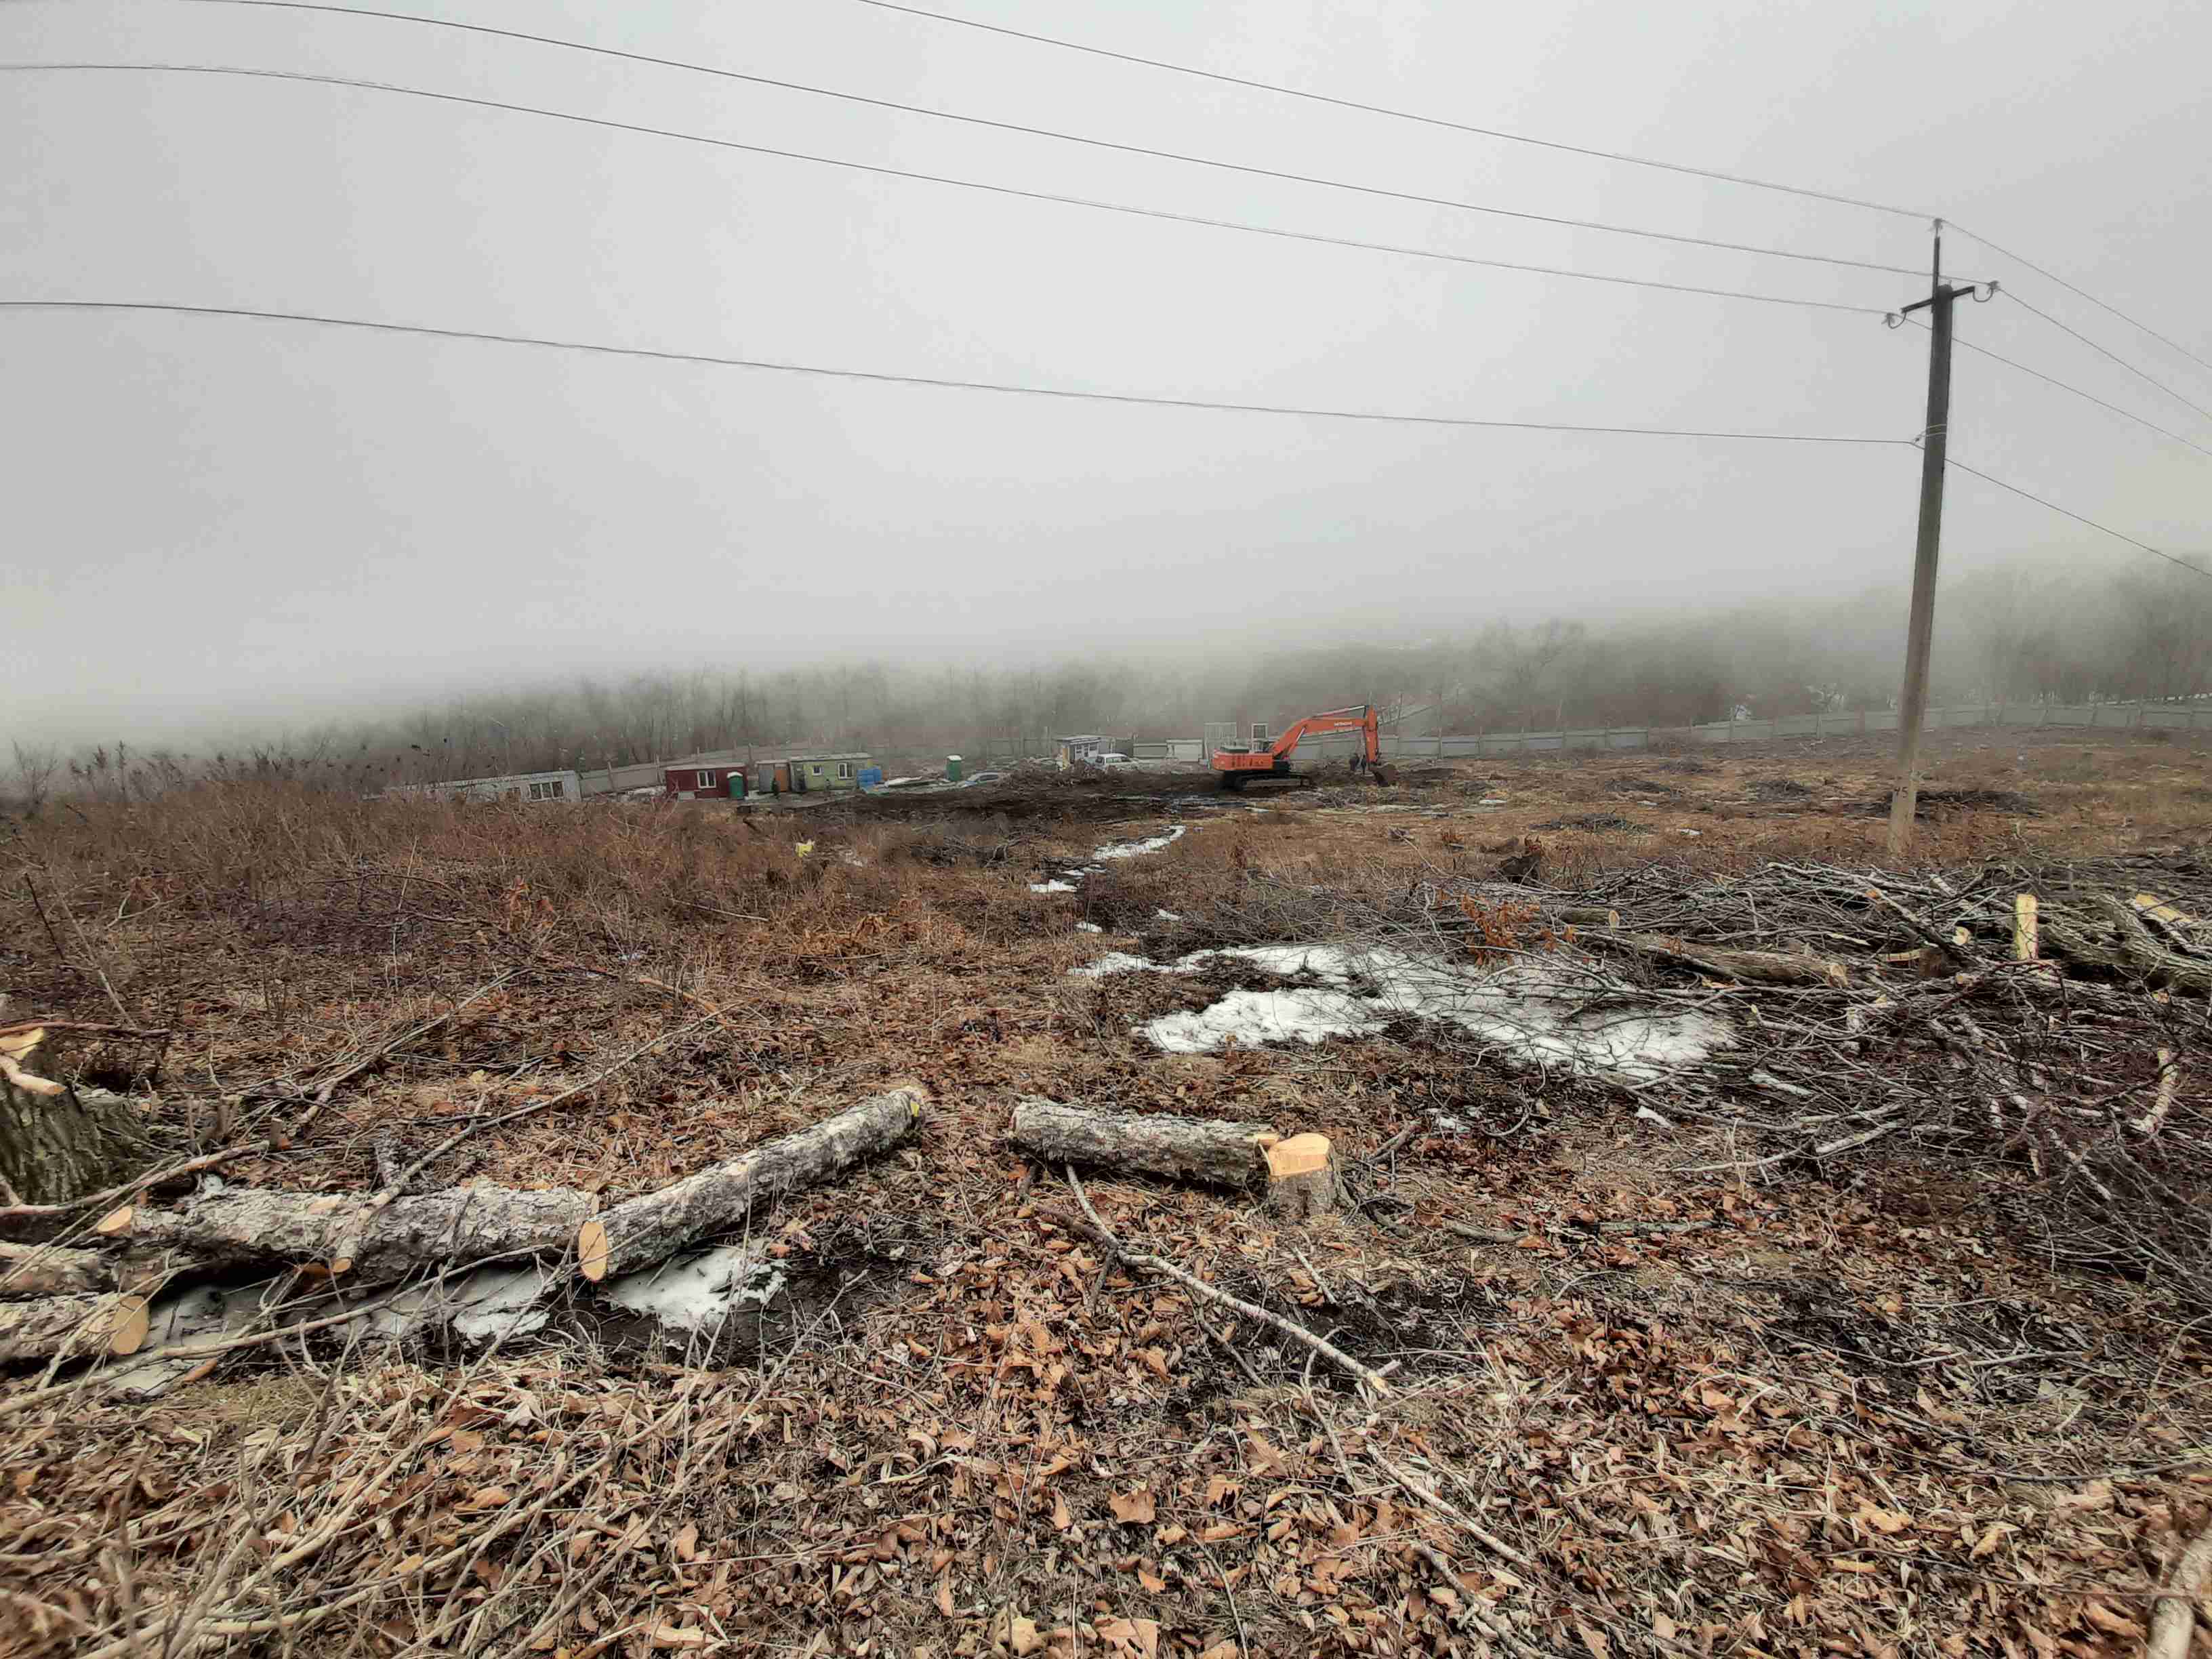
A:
x: 652, y: 1227
x: 81, y: 1327
x: 592, y: 1251
x: 1210, y: 1151
x: 1303, y: 1179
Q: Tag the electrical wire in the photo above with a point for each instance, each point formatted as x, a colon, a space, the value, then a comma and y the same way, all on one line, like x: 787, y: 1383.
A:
x: 942, y: 179
x: 2086, y: 397
x: 2068, y: 513
x: 1382, y: 109
x: 2106, y: 351
x: 2083, y: 293
x: 1066, y: 137
x: 938, y: 381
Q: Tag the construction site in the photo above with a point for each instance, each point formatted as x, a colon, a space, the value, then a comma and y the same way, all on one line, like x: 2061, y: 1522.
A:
x: 1576, y: 1203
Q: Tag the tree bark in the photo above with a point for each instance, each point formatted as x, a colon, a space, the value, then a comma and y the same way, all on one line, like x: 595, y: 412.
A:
x: 1206, y: 1150
x: 2111, y: 935
x: 1303, y: 1179
x: 1761, y: 967
x: 83, y: 1326
x: 29, y: 1270
x: 58, y: 1142
x: 654, y: 1227
x: 248, y: 1227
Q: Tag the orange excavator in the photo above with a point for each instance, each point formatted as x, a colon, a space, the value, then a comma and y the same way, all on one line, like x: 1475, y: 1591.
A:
x: 1238, y: 767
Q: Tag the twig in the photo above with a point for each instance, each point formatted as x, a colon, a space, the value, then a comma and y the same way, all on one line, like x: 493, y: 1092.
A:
x: 1922, y: 931
x: 347, y: 1248
x: 331, y: 1084
x: 131, y: 1188
x: 1227, y: 1347
x: 1297, y: 1333
x: 1466, y: 1610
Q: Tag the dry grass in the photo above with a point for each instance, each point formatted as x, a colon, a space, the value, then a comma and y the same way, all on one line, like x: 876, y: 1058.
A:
x: 1811, y: 1407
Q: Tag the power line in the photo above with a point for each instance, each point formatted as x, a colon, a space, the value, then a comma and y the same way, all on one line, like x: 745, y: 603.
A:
x: 2106, y: 351
x: 2086, y: 397
x: 2083, y: 293
x: 1067, y: 137
x: 2069, y: 514
x: 1376, y: 109
x: 939, y: 178
x: 938, y: 381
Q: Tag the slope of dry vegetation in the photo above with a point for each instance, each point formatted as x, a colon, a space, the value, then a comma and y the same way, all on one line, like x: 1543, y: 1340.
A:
x: 1684, y: 1385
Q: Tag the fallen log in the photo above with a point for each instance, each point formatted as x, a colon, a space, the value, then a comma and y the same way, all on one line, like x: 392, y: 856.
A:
x: 1211, y: 1151
x: 80, y: 1324
x: 32, y: 1270
x: 1761, y: 967
x: 654, y: 1227
x: 2113, y: 936
x: 251, y: 1227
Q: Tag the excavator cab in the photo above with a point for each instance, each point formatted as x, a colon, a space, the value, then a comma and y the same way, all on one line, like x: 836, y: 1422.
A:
x: 1270, y: 762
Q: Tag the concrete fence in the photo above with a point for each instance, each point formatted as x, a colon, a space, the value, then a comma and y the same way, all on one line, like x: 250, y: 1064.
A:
x: 2105, y: 716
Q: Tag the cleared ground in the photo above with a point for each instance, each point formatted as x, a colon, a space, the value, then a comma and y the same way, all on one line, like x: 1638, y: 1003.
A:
x: 1674, y: 1372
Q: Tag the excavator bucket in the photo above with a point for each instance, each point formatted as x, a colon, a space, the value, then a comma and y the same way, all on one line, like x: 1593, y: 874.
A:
x: 1384, y: 772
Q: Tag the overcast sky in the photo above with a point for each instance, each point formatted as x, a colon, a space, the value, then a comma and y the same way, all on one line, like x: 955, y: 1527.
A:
x: 211, y: 514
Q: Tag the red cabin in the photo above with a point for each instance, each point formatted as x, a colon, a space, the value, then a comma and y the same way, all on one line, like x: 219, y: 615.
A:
x: 704, y: 781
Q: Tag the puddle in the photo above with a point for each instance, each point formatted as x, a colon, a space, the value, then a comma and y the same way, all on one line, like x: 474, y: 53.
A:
x: 1533, y: 1013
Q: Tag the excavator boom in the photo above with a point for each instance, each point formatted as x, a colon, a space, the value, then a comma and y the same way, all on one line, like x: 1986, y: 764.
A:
x: 1237, y: 767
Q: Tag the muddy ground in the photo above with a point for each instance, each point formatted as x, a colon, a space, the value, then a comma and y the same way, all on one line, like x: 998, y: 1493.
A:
x: 1665, y: 1376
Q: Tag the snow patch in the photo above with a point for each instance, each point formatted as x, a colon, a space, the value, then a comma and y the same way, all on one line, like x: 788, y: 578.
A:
x: 1087, y: 927
x: 1550, y: 1013
x: 1131, y: 849
x: 1052, y: 887
x: 1265, y: 1017
x: 1167, y: 916
x: 1116, y: 962
x: 487, y: 1304
x: 694, y: 1292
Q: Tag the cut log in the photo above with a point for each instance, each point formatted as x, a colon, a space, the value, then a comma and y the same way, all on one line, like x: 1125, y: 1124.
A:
x: 2026, y: 940
x: 58, y: 1142
x: 31, y: 1270
x: 1302, y: 1178
x: 1210, y: 1151
x: 654, y: 1227
x: 2109, y: 933
x: 1582, y: 915
x: 81, y: 1325
x: 248, y: 1227
x: 1760, y: 967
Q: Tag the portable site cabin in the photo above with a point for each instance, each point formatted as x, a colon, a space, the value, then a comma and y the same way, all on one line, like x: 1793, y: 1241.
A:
x: 807, y: 774
x: 518, y: 787
x: 701, y: 780
x: 1074, y: 751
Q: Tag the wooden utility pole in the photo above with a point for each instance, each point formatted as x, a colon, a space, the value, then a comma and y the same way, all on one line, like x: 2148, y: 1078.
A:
x: 1912, y: 704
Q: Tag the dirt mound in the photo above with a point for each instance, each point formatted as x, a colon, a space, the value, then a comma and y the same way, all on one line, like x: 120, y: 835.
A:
x: 1933, y: 801
x: 1607, y: 823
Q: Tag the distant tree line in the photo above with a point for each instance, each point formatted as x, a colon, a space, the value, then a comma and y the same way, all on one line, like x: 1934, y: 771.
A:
x: 2010, y: 633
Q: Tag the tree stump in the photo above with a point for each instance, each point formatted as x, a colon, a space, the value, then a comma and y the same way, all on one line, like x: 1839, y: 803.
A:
x: 1302, y: 1181
x: 58, y: 1142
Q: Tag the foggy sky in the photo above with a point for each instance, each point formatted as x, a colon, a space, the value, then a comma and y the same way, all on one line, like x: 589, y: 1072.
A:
x: 264, y: 518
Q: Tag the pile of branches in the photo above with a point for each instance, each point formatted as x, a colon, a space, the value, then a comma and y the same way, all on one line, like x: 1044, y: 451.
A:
x: 2064, y: 1053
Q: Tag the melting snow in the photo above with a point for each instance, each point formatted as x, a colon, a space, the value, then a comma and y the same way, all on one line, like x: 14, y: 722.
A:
x: 1546, y: 1013
x: 1131, y: 849
x: 491, y: 1302
x: 1052, y: 887
x: 695, y: 1291
x: 1087, y: 927
x: 1113, y: 961
x: 1167, y: 916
